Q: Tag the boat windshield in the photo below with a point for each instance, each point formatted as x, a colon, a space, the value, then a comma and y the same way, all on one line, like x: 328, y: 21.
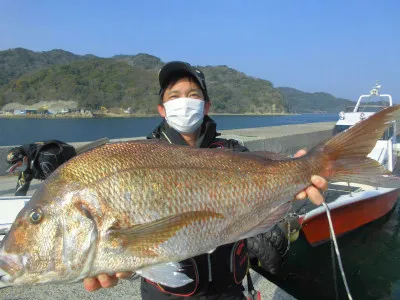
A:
x: 339, y: 128
x: 366, y: 108
x: 370, y: 108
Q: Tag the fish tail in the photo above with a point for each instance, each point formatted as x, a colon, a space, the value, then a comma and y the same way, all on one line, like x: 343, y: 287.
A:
x: 344, y: 156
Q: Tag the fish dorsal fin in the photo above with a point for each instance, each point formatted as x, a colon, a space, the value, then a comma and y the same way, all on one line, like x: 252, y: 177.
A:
x: 266, y: 155
x: 142, y: 238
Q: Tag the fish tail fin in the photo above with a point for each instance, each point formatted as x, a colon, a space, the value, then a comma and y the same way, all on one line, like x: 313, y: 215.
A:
x: 344, y: 156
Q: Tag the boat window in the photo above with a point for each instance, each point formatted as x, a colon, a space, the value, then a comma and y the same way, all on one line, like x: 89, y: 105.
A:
x: 370, y: 108
x: 388, y: 133
x: 339, y: 128
x: 366, y: 108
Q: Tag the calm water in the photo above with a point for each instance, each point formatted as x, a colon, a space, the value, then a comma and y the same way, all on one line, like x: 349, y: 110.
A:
x: 20, y: 131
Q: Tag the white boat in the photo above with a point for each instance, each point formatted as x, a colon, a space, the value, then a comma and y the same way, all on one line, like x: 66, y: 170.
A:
x: 9, y: 208
x: 354, y: 205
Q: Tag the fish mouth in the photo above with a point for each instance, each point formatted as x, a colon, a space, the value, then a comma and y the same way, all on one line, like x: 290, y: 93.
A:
x: 4, y: 279
x: 10, y: 267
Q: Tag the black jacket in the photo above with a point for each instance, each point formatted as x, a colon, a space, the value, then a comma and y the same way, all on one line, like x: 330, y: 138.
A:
x: 215, y: 278
x: 208, y: 136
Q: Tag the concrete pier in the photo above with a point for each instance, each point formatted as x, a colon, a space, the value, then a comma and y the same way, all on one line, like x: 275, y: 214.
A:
x: 286, y: 139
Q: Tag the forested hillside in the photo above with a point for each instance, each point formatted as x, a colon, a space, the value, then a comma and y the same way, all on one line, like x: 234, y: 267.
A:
x: 302, y: 102
x: 124, y: 81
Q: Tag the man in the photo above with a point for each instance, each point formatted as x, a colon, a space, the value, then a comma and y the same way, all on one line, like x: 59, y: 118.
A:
x: 184, y: 106
x: 37, y: 161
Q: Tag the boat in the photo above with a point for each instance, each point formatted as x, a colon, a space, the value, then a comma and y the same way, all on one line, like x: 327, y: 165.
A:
x: 353, y: 205
x: 9, y: 208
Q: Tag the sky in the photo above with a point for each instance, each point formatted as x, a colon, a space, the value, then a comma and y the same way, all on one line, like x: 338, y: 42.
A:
x: 341, y: 47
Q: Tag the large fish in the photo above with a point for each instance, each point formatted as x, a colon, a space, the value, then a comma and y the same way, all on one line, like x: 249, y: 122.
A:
x: 136, y: 205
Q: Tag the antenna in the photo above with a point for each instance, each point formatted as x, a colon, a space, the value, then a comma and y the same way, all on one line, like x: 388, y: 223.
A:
x: 375, y: 90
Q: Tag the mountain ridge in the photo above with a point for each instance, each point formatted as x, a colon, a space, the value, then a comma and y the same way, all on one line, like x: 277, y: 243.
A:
x: 125, y: 81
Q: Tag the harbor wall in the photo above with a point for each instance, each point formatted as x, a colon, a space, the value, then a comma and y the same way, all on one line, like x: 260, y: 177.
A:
x: 285, y: 139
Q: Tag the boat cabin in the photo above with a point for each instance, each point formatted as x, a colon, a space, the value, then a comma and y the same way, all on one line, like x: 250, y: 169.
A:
x: 366, y: 106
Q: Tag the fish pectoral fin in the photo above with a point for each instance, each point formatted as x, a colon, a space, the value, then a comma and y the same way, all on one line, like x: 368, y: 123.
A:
x: 169, y: 224
x: 143, y: 238
x: 172, y: 274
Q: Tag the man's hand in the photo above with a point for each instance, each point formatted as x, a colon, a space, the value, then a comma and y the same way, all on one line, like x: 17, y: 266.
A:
x: 312, y: 191
x: 104, y: 281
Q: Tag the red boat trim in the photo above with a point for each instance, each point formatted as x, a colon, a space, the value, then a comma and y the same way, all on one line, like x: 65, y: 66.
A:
x: 349, y: 217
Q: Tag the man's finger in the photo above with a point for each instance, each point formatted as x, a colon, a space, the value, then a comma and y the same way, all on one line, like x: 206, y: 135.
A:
x: 314, y: 195
x: 319, y: 182
x: 107, y: 281
x: 301, y: 196
x: 299, y: 153
x: 91, y: 284
x: 123, y: 275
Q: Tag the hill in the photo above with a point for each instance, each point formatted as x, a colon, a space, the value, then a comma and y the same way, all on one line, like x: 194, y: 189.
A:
x: 235, y: 92
x: 131, y: 81
x: 91, y: 83
x: 28, y: 77
x: 17, y: 62
x: 302, y: 102
x: 141, y: 60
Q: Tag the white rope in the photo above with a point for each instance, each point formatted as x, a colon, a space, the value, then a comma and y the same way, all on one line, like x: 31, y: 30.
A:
x: 333, y: 237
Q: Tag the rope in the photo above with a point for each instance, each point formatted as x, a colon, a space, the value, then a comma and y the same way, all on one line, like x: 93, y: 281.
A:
x: 333, y: 238
x: 334, y: 269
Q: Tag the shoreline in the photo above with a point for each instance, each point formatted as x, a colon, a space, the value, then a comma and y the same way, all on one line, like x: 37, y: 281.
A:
x: 106, y: 116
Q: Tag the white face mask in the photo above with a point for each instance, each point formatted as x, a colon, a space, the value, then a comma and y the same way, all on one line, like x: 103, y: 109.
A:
x: 185, y: 115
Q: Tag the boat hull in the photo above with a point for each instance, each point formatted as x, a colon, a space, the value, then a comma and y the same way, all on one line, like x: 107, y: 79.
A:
x: 348, y: 213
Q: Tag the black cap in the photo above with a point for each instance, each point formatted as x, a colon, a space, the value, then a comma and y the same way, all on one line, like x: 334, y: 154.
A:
x: 14, y: 155
x: 174, y: 67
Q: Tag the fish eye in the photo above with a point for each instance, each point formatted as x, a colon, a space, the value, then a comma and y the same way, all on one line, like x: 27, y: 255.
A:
x: 36, y: 216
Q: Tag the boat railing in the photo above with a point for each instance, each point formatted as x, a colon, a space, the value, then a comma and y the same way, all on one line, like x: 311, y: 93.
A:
x: 361, y: 103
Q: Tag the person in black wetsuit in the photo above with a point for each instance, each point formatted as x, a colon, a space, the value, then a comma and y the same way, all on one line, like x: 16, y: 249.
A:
x: 184, y: 106
x: 37, y: 161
